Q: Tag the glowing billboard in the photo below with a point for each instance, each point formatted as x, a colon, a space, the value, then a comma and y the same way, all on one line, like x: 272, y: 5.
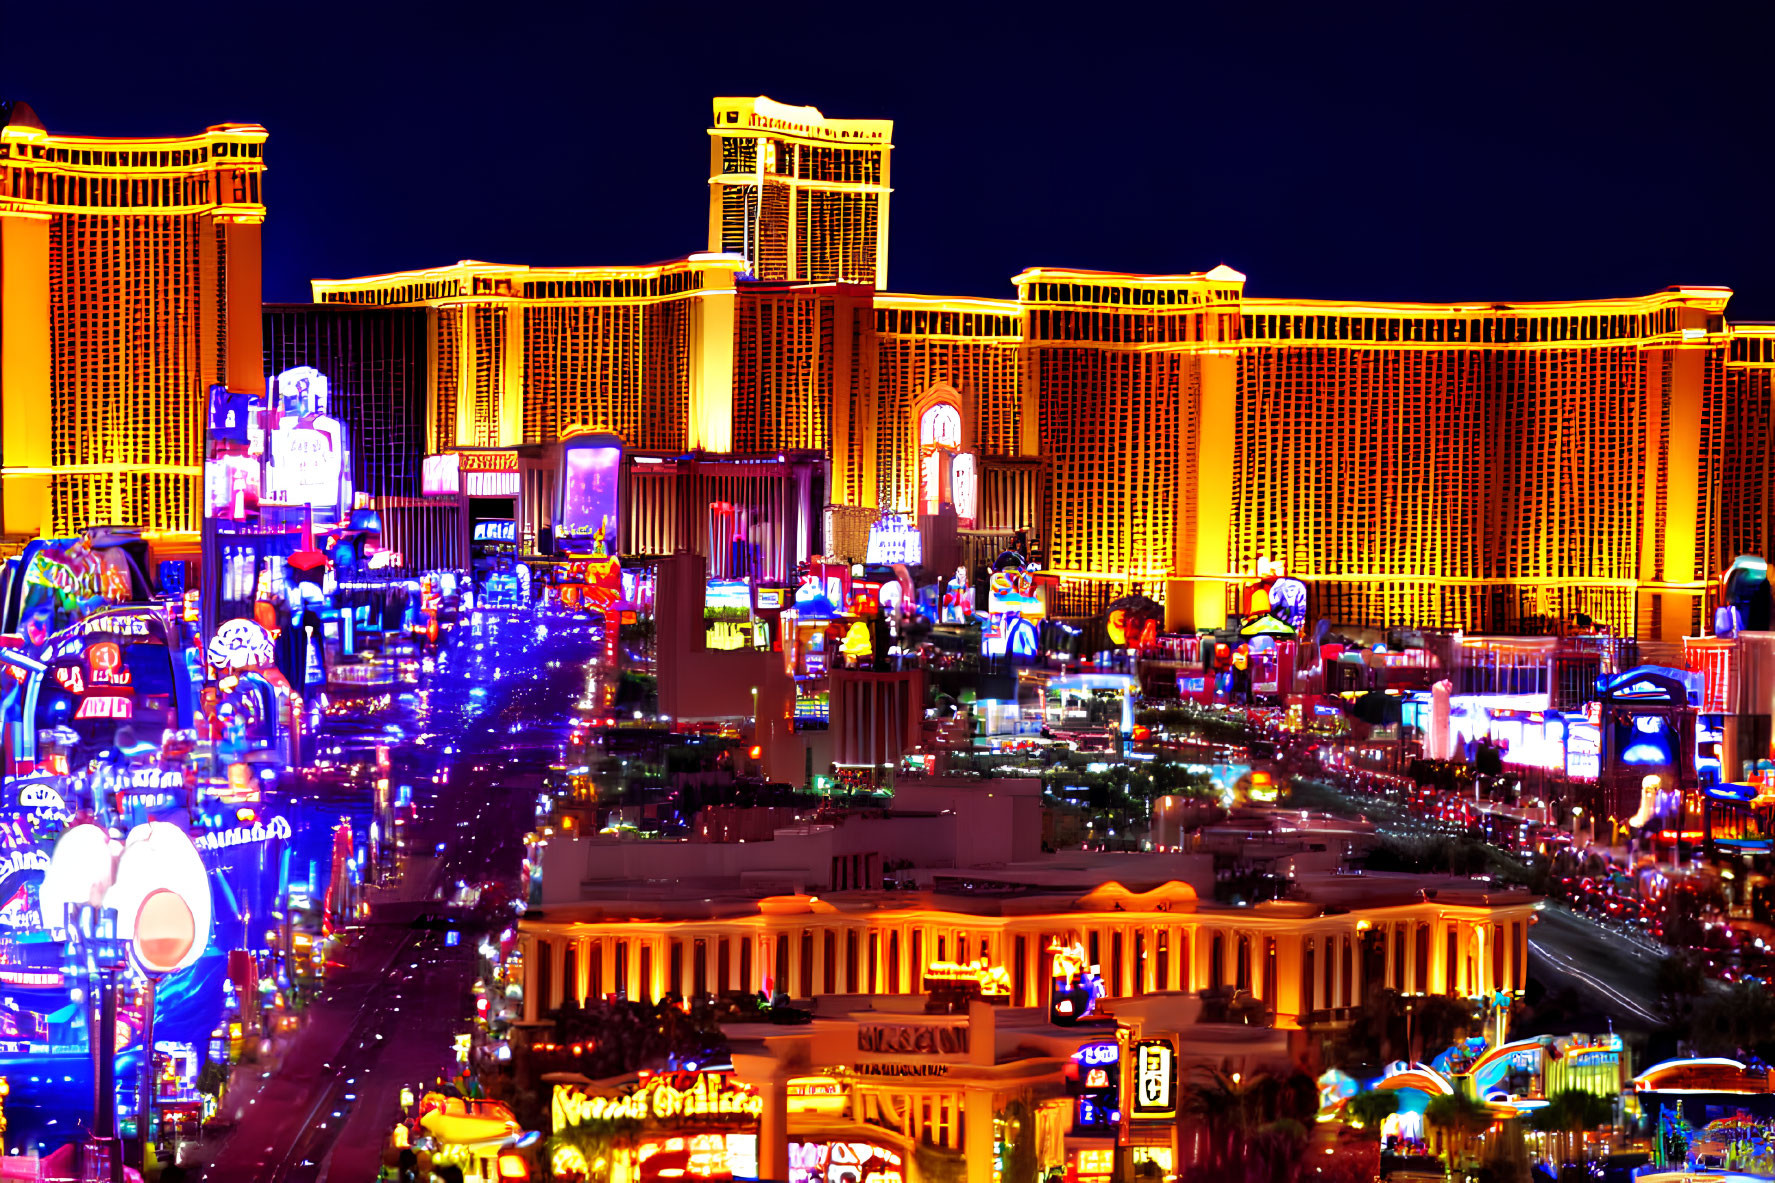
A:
x: 590, y: 513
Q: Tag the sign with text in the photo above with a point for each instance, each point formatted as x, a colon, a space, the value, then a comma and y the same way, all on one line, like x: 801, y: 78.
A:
x: 1155, y: 1079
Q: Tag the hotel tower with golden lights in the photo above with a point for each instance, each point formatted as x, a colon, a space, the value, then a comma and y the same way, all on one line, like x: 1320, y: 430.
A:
x: 1486, y: 466
x: 129, y: 283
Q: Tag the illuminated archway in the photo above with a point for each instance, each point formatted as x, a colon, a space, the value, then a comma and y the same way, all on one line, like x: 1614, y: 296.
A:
x: 943, y: 445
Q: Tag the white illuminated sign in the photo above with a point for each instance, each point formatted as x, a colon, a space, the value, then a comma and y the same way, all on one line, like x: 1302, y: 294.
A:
x: 305, y: 462
x: 895, y: 540
x: 1155, y: 1079
x: 276, y: 829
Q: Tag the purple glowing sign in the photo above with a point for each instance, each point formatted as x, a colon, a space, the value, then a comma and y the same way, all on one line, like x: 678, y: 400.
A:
x: 590, y: 513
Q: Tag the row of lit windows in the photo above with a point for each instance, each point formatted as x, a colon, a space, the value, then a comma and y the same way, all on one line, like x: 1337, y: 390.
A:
x: 1145, y: 296
x: 1756, y: 350
x: 920, y: 322
x: 410, y: 293
x: 1130, y: 329
x: 1513, y: 328
x: 650, y: 287
x: 61, y: 189
x: 844, y: 165
x: 165, y: 158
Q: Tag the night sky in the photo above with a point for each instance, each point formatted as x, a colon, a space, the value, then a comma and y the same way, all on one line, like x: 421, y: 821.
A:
x: 1424, y: 152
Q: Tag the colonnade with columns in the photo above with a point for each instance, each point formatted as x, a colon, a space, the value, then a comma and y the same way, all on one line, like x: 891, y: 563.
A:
x: 1297, y: 964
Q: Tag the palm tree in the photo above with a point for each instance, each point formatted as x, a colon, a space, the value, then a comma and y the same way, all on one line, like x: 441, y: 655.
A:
x: 1366, y: 1111
x: 1251, y: 1129
x: 1571, y: 1112
x: 1462, y: 1119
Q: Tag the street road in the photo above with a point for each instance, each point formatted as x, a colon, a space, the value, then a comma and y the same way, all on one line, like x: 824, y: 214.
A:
x: 497, y: 712
x: 1615, y: 973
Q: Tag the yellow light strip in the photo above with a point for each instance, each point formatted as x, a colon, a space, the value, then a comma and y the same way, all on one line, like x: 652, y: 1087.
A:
x: 84, y: 469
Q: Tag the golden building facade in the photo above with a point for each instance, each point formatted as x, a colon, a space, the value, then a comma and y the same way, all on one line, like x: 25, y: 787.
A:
x: 1299, y: 959
x: 1497, y: 467
x: 129, y: 283
x: 527, y: 355
x: 797, y: 195
x: 1748, y: 477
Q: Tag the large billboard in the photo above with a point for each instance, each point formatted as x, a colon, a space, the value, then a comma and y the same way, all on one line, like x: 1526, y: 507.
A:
x: 590, y: 511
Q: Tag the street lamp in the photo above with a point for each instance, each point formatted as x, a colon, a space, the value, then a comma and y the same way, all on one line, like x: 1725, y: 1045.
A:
x: 142, y: 905
x: 1577, y: 816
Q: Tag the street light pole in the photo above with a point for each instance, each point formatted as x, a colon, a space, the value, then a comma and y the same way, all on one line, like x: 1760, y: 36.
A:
x: 95, y: 955
x: 145, y: 1096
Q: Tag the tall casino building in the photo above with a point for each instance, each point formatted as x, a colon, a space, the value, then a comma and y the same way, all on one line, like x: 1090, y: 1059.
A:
x: 1490, y: 466
x: 129, y: 283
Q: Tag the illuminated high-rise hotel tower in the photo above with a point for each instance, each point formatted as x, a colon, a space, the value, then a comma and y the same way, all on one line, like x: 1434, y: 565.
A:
x: 798, y: 195
x: 129, y: 283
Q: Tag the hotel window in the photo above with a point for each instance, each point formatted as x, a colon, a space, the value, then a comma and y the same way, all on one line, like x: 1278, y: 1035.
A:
x: 746, y: 983
x: 850, y: 962
x: 1497, y: 957
x: 1115, y: 964
x: 645, y: 991
x: 699, y: 969
x: 1019, y: 971
x: 1242, y: 968
x: 805, y: 982
x: 570, y: 973
x: 781, y: 983
x: 1217, y: 962
x: 595, y: 968
x: 829, y: 951
x: 675, y: 964
x: 723, y: 965
x: 1308, y: 981
x: 892, y: 985
x: 545, y: 964
x: 622, y: 968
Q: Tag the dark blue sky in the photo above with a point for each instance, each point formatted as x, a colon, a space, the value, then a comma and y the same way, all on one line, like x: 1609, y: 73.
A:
x: 1426, y: 151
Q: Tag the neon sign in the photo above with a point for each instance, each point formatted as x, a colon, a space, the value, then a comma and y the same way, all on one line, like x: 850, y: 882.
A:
x: 1155, y: 1079
x: 712, y: 1095
x: 277, y: 829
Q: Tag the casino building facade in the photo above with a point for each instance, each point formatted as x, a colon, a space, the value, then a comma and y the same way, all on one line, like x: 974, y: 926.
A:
x: 1298, y: 958
x: 129, y: 283
x: 1489, y: 466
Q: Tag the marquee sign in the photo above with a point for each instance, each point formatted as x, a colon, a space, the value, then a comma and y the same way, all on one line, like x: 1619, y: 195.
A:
x: 1155, y: 1079
x: 701, y: 1096
x: 907, y: 1039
